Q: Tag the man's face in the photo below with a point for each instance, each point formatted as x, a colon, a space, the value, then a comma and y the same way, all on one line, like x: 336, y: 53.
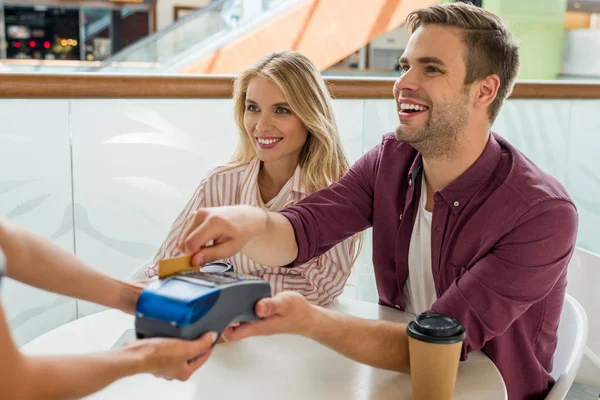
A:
x: 431, y: 98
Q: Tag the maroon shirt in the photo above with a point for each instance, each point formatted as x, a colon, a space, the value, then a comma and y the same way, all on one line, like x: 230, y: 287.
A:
x: 501, y: 238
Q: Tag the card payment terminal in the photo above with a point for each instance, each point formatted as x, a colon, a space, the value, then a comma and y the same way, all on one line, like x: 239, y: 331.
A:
x: 191, y: 303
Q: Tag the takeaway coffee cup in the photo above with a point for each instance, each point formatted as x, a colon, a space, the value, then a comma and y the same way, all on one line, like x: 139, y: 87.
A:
x: 434, y: 344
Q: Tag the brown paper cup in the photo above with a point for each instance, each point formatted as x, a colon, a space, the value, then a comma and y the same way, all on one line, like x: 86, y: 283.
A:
x: 434, y: 344
x: 433, y: 369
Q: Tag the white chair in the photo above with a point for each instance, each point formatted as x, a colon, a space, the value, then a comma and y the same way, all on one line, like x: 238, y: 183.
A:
x: 572, y: 336
x: 583, y: 281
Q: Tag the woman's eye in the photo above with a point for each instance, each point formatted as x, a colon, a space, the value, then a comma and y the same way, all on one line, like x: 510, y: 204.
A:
x: 282, y: 110
x: 251, y: 108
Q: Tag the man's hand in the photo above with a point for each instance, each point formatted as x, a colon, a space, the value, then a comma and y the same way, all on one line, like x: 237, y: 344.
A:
x: 287, y: 312
x: 228, y: 228
x: 381, y: 344
x: 172, y: 358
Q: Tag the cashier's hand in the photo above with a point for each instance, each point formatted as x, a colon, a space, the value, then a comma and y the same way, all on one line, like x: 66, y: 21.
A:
x: 172, y: 358
x: 128, y: 294
x: 286, y: 312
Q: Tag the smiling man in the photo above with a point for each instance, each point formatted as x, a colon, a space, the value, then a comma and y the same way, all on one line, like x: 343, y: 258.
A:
x: 463, y: 223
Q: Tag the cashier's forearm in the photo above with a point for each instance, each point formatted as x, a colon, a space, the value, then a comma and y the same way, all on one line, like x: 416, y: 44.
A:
x: 75, y: 376
x: 381, y: 344
x: 36, y: 261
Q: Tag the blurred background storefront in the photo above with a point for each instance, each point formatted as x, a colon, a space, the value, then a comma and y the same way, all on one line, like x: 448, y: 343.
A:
x: 560, y: 39
x: 67, y: 31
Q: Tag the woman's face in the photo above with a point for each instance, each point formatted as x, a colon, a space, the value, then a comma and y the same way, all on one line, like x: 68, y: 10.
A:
x: 276, y: 133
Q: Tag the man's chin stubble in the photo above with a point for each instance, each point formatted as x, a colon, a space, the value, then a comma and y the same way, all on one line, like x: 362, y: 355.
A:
x: 439, y: 147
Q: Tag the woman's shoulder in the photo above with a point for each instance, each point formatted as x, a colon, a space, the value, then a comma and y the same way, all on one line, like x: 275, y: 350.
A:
x: 232, y: 168
x: 224, y: 184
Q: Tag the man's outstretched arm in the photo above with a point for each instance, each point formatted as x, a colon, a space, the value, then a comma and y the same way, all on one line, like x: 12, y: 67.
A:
x: 381, y: 344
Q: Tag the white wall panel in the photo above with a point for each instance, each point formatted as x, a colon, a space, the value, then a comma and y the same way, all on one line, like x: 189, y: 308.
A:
x: 35, y: 191
x: 136, y: 164
x: 582, y: 175
x: 349, y: 118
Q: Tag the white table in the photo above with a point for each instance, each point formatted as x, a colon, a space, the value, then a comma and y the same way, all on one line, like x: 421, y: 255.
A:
x: 275, y: 367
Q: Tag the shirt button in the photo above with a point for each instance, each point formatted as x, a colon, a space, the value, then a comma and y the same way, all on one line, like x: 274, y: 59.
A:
x: 397, y: 306
x: 456, y: 204
x: 400, y: 217
x: 410, y: 181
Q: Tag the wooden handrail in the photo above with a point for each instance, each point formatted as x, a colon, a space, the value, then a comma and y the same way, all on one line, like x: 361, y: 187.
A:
x: 52, y: 86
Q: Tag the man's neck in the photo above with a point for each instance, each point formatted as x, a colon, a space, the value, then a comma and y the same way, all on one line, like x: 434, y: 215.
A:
x: 442, y: 171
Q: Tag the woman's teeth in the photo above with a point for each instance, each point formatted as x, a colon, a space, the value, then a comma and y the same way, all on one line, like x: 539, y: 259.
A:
x: 268, y: 141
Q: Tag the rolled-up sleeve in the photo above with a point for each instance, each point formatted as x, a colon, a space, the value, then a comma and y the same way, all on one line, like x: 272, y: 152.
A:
x: 521, y: 270
x: 330, y: 215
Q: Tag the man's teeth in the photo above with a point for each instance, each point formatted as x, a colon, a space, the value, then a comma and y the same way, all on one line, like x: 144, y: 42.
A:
x: 416, y: 107
x: 267, y: 141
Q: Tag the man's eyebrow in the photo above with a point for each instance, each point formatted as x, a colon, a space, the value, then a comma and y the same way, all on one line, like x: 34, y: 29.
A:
x: 424, y: 60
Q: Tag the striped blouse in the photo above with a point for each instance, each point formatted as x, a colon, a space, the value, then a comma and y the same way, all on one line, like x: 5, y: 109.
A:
x: 321, y: 280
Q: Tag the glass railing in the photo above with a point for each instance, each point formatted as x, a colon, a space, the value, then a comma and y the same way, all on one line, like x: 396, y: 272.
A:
x: 198, y: 33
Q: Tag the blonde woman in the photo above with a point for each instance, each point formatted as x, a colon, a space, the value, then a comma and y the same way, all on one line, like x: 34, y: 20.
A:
x: 289, y: 147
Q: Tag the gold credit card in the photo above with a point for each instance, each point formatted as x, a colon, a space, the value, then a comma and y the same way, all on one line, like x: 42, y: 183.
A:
x: 172, y: 266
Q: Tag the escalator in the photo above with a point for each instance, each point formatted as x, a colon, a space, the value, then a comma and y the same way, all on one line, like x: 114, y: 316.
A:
x: 197, y: 35
x: 227, y: 35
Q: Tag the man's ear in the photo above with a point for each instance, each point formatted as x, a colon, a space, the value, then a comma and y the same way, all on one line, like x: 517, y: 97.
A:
x: 487, y: 90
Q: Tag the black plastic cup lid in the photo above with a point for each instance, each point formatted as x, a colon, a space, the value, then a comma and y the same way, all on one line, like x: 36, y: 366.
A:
x: 436, y: 328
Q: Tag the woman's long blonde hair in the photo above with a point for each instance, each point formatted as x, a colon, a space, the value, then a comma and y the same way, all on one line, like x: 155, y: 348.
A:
x: 322, y: 158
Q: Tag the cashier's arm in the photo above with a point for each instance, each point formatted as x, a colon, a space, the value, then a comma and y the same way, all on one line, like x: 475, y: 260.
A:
x: 40, y: 263
x: 381, y: 344
x: 26, y: 377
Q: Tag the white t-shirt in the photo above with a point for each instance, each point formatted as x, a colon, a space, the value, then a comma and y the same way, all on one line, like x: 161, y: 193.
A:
x: 419, y: 291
